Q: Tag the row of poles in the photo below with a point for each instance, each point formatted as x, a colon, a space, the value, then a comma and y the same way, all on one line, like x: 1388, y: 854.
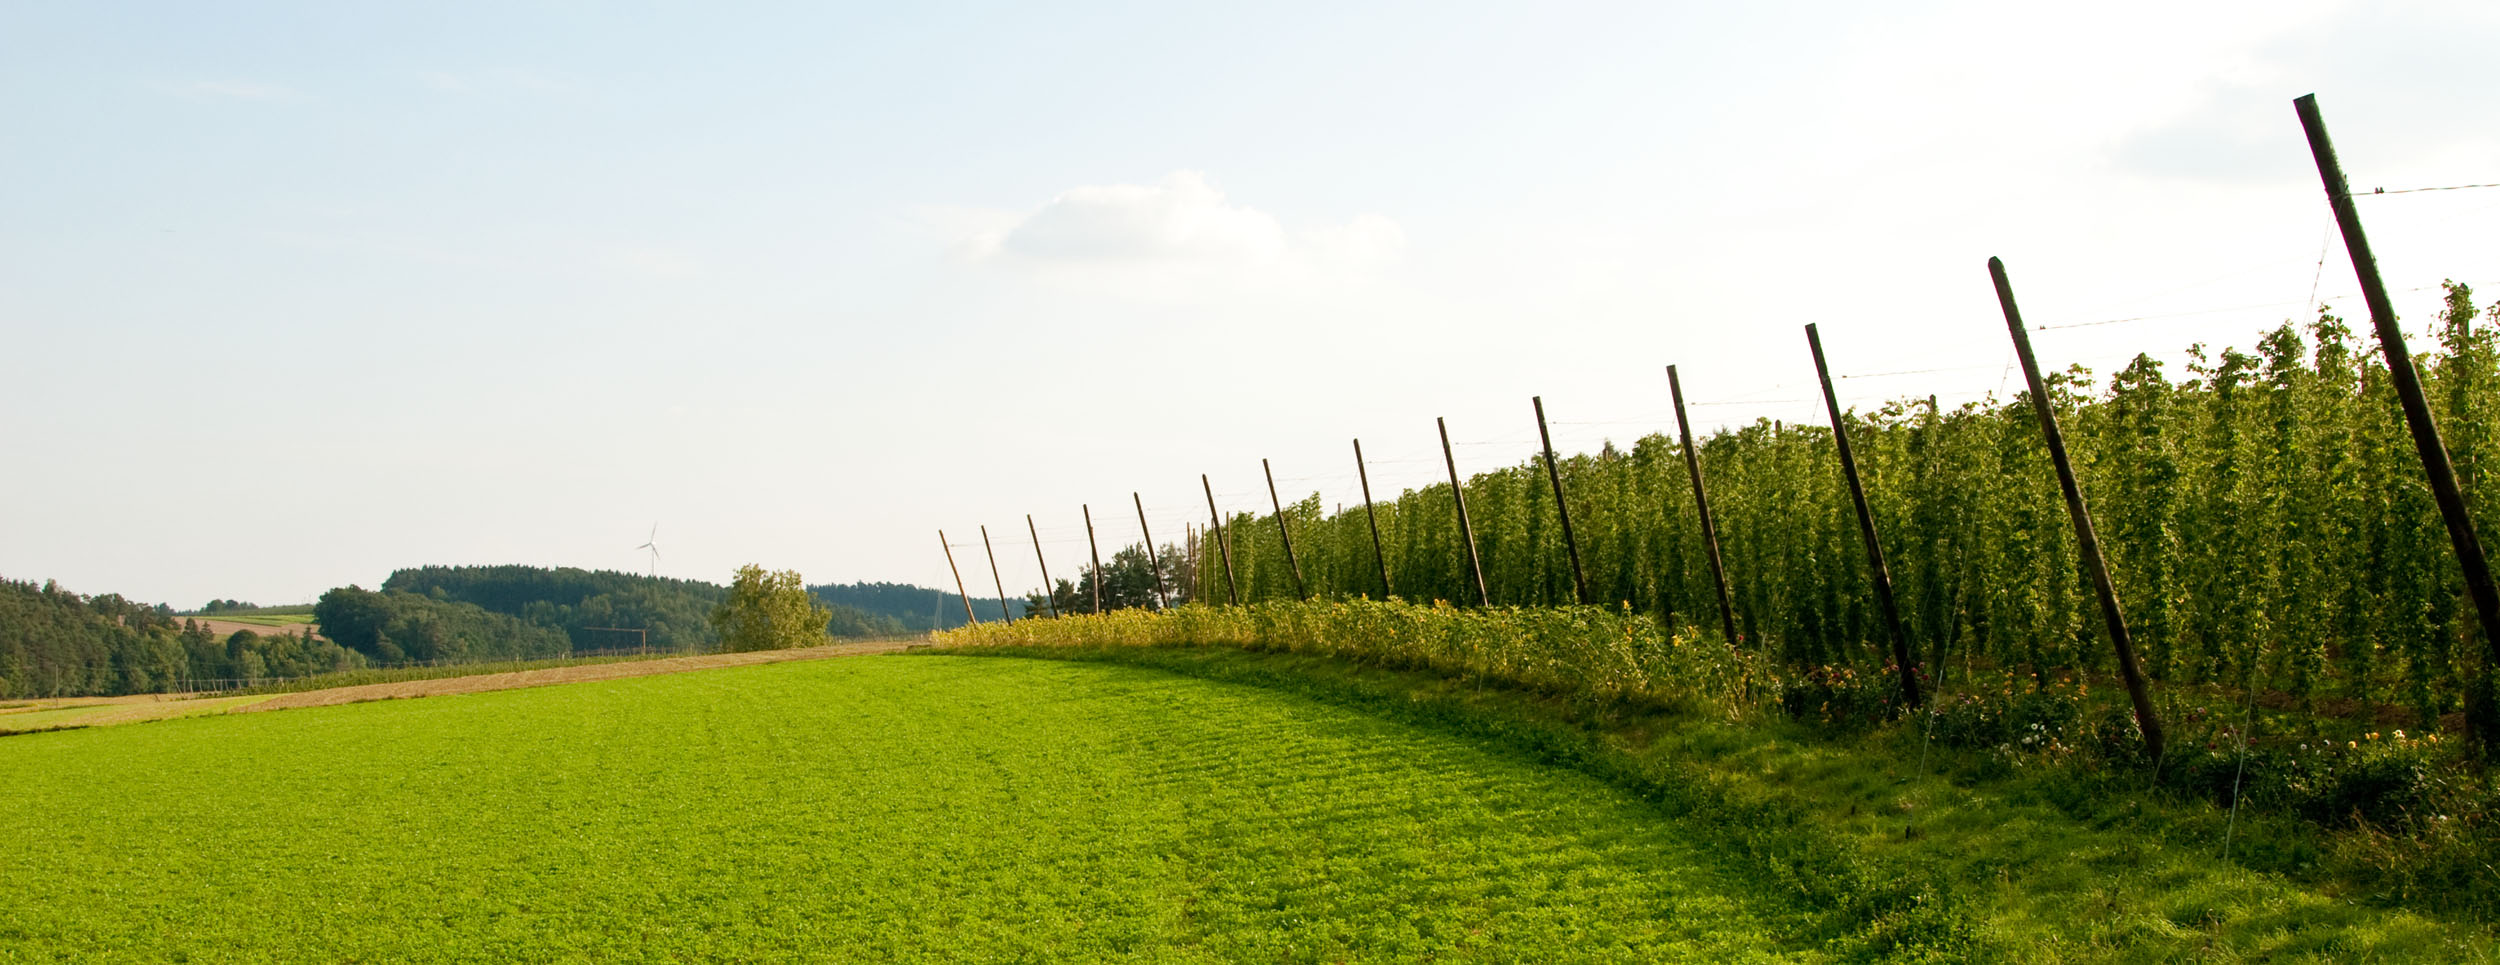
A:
x: 2427, y: 443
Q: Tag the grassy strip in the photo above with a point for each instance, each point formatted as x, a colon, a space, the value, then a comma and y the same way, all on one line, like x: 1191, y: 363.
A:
x: 2049, y: 864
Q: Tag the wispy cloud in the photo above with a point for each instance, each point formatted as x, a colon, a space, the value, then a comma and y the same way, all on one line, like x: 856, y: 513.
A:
x: 1180, y: 233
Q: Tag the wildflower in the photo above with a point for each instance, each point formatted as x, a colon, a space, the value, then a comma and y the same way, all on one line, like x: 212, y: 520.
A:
x: 2400, y: 735
x: 2352, y: 745
x: 2373, y: 735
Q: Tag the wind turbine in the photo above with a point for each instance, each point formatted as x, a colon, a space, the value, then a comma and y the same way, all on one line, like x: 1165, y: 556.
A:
x: 653, y: 544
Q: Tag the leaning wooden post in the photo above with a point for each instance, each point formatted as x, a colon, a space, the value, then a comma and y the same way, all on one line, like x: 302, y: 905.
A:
x: 1701, y: 501
x: 1094, y: 550
x: 1378, y: 557
x: 1466, y: 530
x: 2087, y: 541
x: 1579, y: 584
x: 1298, y: 591
x: 2426, y: 441
x: 1901, y: 658
x: 1231, y: 590
x: 1154, y: 562
x: 994, y: 580
x: 1049, y: 599
x: 959, y: 578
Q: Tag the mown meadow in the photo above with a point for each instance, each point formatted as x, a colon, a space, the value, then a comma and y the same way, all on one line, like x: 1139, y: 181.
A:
x: 881, y: 809
x: 2017, y: 825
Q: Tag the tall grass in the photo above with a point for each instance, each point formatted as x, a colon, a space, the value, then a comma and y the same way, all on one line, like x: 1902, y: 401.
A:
x: 1592, y: 652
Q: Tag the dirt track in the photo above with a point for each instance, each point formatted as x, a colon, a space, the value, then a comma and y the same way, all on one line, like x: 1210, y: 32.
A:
x: 564, y: 675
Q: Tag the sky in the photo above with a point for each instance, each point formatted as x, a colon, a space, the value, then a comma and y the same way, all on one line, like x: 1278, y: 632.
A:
x: 294, y: 295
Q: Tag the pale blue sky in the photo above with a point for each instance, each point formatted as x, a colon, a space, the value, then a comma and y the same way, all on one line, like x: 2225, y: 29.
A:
x: 297, y: 294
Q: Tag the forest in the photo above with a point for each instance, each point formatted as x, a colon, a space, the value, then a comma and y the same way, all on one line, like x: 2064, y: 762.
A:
x: 893, y: 609
x: 56, y: 643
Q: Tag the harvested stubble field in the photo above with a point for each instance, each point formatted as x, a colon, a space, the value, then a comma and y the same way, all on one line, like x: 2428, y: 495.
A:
x: 893, y: 808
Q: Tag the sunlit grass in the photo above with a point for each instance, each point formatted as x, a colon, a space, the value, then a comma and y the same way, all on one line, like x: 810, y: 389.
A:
x: 939, y: 809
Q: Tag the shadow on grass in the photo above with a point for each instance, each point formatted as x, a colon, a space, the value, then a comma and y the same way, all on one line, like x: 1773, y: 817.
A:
x: 1898, y: 865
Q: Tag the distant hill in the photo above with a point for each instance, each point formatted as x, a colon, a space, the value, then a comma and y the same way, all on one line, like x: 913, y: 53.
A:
x: 55, y: 643
x: 918, y: 609
x: 597, y: 609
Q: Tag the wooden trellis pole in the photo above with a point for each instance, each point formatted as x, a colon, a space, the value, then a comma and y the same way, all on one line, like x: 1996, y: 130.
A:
x: 1232, y: 591
x: 994, y: 580
x: 1902, y: 660
x: 1049, y: 598
x: 2426, y: 442
x: 1298, y: 591
x: 1701, y: 501
x: 2088, y: 542
x: 1579, y: 583
x: 1466, y: 531
x: 959, y: 579
x: 1094, y: 550
x: 1378, y: 557
x: 1154, y: 562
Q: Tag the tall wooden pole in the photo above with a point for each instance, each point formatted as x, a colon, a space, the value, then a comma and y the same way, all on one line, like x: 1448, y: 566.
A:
x: 1378, y: 557
x: 2087, y: 541
x: 1901, y: 657
x: 959, y: 578
x: 994, y: 580
x: 1466, y: 530
x: 1093, y: 550
x: 2391, y: 340
x: 1049, y: 598
x: 1232, y: 590
x: 1298, y: 591
x: 1579, y: 583
x: 1154, y: 562
x: 1701, y: 501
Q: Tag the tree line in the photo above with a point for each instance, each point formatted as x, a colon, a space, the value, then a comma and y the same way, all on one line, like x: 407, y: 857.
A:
x: 56, y: 643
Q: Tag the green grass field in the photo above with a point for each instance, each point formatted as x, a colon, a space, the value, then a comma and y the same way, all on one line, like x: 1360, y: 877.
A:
x: 883, y: 808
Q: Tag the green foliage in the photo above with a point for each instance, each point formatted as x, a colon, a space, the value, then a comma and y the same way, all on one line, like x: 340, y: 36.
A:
x: 396, y: 627
x: 54, y: 643
x: 2265, y: 518
x: 769, y: 611
x: 1586, y: 652
x: 1842, y: 698
x: 899, y: 609
x: 590, y: 606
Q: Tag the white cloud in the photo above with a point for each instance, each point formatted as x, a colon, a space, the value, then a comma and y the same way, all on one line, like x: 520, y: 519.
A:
x: 1367, y: 240
x: 1179, y: 234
